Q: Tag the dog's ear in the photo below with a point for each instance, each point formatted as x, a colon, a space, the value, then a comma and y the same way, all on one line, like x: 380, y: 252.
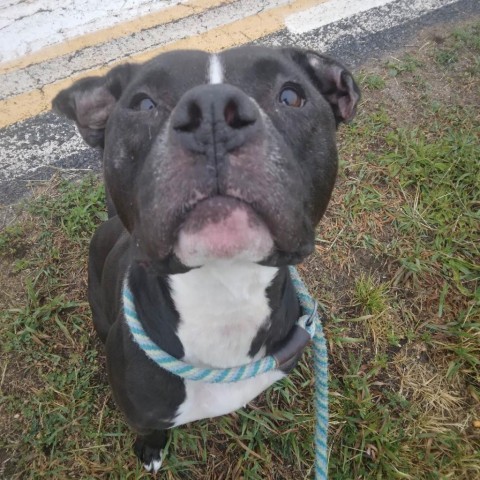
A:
x: 90, y: 101
x: 333, y: 80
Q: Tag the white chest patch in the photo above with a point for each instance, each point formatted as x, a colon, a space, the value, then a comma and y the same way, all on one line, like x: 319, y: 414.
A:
x: 215, y: 70
x: 222, y: 306
x: 208, y: 400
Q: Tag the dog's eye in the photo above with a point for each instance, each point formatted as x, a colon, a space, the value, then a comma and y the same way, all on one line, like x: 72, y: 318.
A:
x: 142, y: 102
x: 292, y: 96
x: 147, y: 104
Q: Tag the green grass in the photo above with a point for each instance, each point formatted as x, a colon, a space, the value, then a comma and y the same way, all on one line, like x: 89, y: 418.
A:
x: 461, y: 39
x: 370, y: 295
x: 396, y: 267
x: 407, y: 64
x: 372, y: 81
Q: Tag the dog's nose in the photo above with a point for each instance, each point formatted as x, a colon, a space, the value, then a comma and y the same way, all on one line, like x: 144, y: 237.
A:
x: 214, y: 115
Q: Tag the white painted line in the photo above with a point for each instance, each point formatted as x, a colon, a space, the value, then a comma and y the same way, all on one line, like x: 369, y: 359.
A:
x: 335, y: 10
x: 371, y: 22
x: 31, y: 25
x: 329, y: 12
x: 50, y: 71
x: 21, y: 155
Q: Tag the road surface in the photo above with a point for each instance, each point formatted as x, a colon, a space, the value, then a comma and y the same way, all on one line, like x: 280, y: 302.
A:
x: 44, y: 48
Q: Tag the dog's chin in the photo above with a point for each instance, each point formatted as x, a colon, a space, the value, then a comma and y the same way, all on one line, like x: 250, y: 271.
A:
x: 222, y: 228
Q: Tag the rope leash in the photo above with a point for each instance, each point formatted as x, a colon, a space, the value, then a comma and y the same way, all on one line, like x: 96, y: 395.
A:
x: 309, y: 321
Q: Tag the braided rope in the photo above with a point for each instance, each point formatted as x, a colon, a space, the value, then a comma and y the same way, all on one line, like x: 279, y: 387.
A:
x: 320, y: 361
x: 309, y: 321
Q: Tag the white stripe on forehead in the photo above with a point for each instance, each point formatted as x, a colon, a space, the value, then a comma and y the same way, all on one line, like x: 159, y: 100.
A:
x: 215, y: 70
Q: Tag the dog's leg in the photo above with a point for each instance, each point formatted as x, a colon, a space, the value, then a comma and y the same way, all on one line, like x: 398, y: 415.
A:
x: 106, y: 246
x: 111, y: 210
x: 148, y: 448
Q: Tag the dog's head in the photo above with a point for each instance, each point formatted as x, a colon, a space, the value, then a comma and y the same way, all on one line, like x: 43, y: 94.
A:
x: 218, y: 156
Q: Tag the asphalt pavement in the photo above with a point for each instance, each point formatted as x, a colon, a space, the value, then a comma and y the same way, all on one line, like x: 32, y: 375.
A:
x: 45, y: 48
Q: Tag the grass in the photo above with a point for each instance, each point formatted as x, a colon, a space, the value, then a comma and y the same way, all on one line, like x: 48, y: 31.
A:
x: 396, y: 267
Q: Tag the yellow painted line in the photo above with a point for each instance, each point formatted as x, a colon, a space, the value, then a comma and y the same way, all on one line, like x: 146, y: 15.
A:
x: 26, y: 105
x: 171, y: 14
x: 236, y: 33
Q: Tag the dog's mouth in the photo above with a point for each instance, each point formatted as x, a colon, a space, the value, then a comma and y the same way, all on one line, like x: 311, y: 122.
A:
x: 221, y: 228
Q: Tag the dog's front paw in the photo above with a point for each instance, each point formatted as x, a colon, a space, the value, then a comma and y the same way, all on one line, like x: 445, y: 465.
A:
x: 149, y: 453
x: 154, y: 465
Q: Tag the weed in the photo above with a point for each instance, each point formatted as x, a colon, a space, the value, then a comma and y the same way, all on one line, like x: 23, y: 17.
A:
x: 371, y: 295
x: 467, y: 37
x: 77, y: 209
x: 12, y: 239
x: 372, y: 81
x: 446, y: 57
x: 408, y: 64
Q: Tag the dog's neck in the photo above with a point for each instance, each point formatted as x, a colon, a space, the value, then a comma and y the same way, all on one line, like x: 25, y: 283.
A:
x: 222, y: 307
x: 220, y: 315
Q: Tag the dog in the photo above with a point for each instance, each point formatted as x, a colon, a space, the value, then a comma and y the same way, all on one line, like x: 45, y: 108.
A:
x: 218, y: 168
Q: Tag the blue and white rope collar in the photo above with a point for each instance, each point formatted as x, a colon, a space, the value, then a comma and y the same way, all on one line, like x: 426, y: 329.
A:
x: 309, y: 322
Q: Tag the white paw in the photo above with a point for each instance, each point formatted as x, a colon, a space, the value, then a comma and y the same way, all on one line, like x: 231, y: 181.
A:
x: 154, y: 465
